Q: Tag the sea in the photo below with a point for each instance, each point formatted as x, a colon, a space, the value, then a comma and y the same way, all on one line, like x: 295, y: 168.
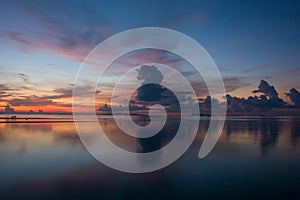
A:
x: 42, y: 157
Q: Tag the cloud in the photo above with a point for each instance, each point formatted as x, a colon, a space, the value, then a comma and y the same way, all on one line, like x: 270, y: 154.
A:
x: 142, y: 56
x: 150, y: 74
x: 31, y: 101
x: 267, y: 101
x: 60, y: 28
x: 151, y: 92
x: 4, y: 87
x: 9, y: 109
x: 5, y: 91
x: 234, y: 83
x: 18, y: 37
x: 132, y: 107
x: 270, y: 92
x: 258, y: 67
x: 252, y: 104
x: 59, y: 93
x: 231, y: 84
x: 68, y: 92
x: 205, y: 104
x: 294, y: 96
x: 24, y: 77
x: 136, y: 58
x: 266, y: 89
x: 290, y: 72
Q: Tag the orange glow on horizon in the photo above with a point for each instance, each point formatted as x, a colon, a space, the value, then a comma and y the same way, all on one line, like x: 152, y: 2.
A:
x: 45, y: 109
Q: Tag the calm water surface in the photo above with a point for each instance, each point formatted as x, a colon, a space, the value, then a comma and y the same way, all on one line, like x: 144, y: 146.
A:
x: 254, y: 158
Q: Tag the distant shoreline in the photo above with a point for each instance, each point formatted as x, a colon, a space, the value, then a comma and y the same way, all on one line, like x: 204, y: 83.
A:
x: 61, y: 115
x: 58, y: 119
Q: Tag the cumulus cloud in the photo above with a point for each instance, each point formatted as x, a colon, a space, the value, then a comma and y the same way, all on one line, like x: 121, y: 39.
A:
x: 151, y: 92
x: 294, y: 95
x: 270, y: 92
x: 150, y: 74
x: 150, y: 89
x: 265, y: 102
x: 266, y: 89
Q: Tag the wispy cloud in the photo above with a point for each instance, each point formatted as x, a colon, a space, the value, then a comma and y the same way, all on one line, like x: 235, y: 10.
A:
x: 259, y: 67
x: 58, y: 97
x: 61, y: 28
x: 231, y: 84
x: 24, y: 77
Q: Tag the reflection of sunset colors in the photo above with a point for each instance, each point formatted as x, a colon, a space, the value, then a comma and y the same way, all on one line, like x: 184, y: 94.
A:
x: 51, y: 157
x: 42, y: 46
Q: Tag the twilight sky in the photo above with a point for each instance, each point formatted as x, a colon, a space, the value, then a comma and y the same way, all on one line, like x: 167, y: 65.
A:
x: 44, y: 42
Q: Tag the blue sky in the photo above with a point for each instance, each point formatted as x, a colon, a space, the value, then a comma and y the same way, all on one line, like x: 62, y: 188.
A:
x: 47, y: 40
